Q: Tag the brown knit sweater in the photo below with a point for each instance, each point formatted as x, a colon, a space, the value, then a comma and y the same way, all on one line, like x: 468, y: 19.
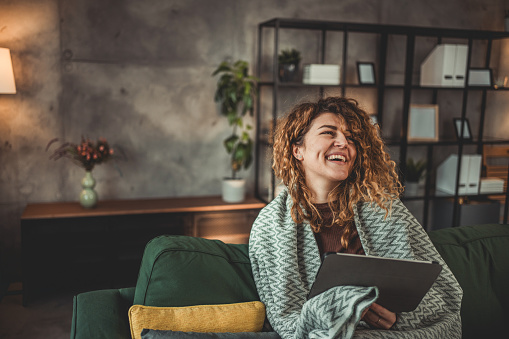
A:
x: 329, y: 237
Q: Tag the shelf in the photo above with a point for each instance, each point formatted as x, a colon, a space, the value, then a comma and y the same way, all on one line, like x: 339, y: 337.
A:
x: 383, y: 29
x: 446, y: 142
x: 390, y: 112
x: 445, y: 196
x: 392, y: 86
x: 470, y: 88
x: 300, y: 84
x: 294, y: 84
x: 136, y: 206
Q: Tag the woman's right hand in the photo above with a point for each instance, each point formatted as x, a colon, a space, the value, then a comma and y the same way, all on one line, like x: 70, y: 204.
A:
x: 379, y: 317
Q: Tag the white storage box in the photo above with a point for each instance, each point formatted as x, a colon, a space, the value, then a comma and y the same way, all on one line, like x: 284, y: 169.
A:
x: 492, y: 185
x: 318, y: 74
x: 445, y: 66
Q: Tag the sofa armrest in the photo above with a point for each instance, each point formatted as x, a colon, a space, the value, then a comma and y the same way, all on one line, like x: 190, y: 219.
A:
x: 478, y: 256
x: 102, y: 314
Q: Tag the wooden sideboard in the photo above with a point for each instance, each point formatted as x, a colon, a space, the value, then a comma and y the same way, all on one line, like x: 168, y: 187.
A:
x: 67, y: 246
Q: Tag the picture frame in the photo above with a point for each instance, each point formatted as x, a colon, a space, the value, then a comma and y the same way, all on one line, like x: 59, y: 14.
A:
x: 366, y: 73
x: 480, y: 77
x: 467, y: 133
x: 423, y: 123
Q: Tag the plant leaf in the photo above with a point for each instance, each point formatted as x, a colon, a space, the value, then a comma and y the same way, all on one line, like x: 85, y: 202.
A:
x: 245, y: 137
x: 239, y: 153
x: 229, y: 143
x: 223, y: 67
x: 232, y: 117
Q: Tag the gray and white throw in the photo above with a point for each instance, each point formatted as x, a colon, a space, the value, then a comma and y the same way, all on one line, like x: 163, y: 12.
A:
x: 285, y: 259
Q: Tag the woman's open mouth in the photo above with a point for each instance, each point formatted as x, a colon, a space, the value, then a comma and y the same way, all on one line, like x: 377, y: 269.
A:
x: 336, y: 157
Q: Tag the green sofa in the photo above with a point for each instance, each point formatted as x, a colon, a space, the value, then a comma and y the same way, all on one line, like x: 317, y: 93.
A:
x: 184, y: 271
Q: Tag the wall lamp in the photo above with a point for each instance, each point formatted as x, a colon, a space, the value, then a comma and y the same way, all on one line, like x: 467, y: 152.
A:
x: 7, y: 85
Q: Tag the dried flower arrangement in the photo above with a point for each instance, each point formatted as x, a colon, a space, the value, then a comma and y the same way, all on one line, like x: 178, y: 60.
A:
x: 87, y: 154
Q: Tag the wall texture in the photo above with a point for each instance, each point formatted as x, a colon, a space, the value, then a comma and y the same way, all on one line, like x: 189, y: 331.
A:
x: 139, y: 74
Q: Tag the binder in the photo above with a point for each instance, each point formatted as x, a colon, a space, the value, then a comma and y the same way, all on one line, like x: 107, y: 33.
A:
x: 401, y: 283
x: 474, y: 174
x: 460, y: 66
x: 445, y: 66
x: 470, y: 174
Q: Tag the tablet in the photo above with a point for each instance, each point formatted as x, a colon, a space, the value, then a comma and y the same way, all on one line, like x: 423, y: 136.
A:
x: 401, y: 283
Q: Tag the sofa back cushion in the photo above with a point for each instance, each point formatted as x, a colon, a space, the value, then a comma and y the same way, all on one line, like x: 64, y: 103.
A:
x: 478, y: 256
x: 185, y: 271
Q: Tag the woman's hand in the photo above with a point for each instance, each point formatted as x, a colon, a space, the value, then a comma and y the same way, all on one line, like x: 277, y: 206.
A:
x: 379, y: 317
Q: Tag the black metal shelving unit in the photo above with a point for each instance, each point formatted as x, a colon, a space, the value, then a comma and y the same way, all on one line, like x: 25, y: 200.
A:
x: 408, y: 87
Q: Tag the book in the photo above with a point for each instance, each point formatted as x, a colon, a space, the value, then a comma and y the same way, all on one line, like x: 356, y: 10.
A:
x: 401, y: 283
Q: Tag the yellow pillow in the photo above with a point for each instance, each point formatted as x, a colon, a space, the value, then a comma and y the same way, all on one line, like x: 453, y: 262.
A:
x: 240, y: 317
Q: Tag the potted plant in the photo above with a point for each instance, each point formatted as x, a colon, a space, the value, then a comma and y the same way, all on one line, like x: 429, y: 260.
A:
x: 236, y: 92
x: 288, y: 61
x: 414, y: 172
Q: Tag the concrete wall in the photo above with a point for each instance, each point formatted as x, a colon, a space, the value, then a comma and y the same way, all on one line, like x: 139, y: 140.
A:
x: 139, y: 74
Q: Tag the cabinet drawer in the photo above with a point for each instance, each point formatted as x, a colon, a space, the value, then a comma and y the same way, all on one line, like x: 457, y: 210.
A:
x: 230, y: 227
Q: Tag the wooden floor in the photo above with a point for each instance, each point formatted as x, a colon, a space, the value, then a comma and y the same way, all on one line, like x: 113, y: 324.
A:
x: 47, y: 317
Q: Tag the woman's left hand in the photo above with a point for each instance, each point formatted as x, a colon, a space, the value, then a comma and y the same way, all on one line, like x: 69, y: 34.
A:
x: 379, y: 317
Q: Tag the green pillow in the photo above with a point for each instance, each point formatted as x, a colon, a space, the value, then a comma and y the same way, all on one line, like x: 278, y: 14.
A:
x: 185, y: 271
x: 478, y: 256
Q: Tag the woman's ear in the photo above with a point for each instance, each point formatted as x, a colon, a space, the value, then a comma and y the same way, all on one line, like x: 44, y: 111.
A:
x: 296, y: 152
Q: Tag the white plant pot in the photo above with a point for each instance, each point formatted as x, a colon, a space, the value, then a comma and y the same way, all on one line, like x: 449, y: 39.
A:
x: 234, y: 190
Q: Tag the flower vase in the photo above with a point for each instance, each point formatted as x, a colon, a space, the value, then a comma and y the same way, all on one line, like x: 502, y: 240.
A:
x: 88, y: 197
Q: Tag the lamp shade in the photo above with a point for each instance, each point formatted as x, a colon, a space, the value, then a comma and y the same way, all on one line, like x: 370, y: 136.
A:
x: 7, y: 85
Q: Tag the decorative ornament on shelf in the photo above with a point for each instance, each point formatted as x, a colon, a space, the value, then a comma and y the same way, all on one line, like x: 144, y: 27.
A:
x: 86, y: 154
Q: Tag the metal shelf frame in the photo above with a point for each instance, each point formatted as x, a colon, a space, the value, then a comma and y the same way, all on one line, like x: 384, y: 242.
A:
x: 383, y: 32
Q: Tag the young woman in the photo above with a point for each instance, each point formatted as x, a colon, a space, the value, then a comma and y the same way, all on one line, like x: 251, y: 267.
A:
x: 341, y: 195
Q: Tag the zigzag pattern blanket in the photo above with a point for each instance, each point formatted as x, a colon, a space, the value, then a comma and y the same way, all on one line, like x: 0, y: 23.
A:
x: 285, y: 259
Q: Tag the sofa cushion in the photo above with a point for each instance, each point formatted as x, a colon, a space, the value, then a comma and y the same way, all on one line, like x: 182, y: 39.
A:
x: 478, y: 256
x: 158, y: 334
x: 184, y: 271
x: 239, y: 317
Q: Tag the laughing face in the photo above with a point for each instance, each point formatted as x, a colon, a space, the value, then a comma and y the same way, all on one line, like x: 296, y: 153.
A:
x: 327, y: 152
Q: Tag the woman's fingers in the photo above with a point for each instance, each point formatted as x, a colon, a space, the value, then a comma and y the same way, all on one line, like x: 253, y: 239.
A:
x: 379, y: 309
x: 379, y: 317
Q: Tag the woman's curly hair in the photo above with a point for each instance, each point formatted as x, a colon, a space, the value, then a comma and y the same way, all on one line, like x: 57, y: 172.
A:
x: 373, y: 178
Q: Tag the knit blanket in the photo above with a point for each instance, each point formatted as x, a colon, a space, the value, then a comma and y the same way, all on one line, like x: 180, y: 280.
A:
x: 285, y: 260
